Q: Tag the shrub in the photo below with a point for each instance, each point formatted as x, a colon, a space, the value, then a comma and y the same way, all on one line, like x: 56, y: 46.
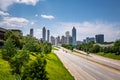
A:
x: 36, y: 70
x: 16, y: 62
x: 46, y: 48
x: 9, y: 49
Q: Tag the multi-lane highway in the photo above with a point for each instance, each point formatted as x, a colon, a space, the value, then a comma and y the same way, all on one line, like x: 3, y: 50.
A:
x: 83, y: 69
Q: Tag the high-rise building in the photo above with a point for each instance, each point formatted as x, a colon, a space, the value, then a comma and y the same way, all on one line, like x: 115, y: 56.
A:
x: 67, y: 36
x: 44, y: 34
x: 59, y: 42
x: 89, y: 39
x: 48, y: 35
x: 99, y: 38
x: 63, y: 40
x: 31, y: 32
x: 74, y: 36
x: 52, y: 40
x: 70, y: 40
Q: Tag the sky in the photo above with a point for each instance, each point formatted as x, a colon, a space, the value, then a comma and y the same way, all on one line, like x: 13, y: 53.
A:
x: 90, y: 17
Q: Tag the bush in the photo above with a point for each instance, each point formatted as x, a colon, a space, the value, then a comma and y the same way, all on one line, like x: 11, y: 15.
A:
x: 9, y: 49
x: 68, y: 46
x: 46, y: 48
x: 32, y: 45
x: 36, y: 70
x: 20, y: 59
x: 16, y: 39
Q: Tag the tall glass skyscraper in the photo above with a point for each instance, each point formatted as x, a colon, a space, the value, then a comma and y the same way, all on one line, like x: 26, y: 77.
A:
x: 74, y: 36
x: 48, y: 35
x: 31, y: 32
x: 44, y: 34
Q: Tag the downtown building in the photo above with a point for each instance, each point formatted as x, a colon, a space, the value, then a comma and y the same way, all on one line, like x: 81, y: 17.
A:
x: 74, y: 36
x: 99, y: 38
x: 44, y: 34
x: 48, y: 36
x: 52, y: 40
x: 89, y: 39
x: 31, y: 32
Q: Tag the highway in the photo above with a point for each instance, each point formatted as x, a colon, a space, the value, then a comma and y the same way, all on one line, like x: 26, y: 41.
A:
x: 83, y: 69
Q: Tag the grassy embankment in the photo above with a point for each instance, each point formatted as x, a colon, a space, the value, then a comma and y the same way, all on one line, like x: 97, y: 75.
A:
x: 5, y: 70
x: 55, y: 69
x: 109, y: 55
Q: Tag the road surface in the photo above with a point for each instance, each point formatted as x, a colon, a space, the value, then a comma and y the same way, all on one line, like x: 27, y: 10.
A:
x: 83, y: 69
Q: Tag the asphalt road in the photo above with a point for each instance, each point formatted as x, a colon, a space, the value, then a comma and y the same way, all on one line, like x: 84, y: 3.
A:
x: 83, y: 69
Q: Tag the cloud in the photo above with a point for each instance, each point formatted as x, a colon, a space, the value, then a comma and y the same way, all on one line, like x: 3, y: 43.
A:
x: 85, y: 29
x: 50, y: 17
x: 14, y: 22
x: 28, y: 2
x: 4, y: 4
x: 4, y: 13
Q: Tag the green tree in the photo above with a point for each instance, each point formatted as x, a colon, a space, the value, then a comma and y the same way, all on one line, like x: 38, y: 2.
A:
x: 16, y: 62
x: 96, y: 48
x: 117, y: 47
x: 46, y: 48
x: 68, y: 46
x: 17, y: 39
x: 9, y: 49
x: 32, y: 45
x: 35, y: 70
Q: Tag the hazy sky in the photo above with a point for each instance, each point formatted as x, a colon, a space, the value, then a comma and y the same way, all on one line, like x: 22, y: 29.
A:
x: 90, y: 17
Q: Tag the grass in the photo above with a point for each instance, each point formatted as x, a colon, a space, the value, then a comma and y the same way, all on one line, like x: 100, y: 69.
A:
x: 5, y: 73
x: 109, y: 55
x: 55, y: 69
x: 54, y: 48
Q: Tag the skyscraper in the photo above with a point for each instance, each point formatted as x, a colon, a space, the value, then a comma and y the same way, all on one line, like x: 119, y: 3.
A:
x: 74, y: 36
x: 44, y: 34
x: 48, y: 35
x: 59, y: 40
x: 63, y: 40
x: 52, y: 40
x: 67, y: 36
x: 99, y: 38
x: 31, y: 32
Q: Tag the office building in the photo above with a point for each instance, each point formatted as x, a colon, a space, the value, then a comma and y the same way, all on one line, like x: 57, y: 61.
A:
x: 67, y: 36
x: 59, y: 42
x: 74, y: 36
x: 48, y: 35
x: 70, y: 40
x: 99, y: 38
x: 2, y: 32
x: 31, y: 32
x: 44, y: 34
x: 90, y: 39
x: 52, y: 40
x: 63, y: 40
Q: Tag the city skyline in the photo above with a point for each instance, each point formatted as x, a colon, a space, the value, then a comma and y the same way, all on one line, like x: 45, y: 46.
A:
x: 89, y: 17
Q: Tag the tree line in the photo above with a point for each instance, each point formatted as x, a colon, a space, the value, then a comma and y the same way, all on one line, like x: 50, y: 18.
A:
x: 94, y: 48
x: 68, y: 46
x: 17, y: 49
